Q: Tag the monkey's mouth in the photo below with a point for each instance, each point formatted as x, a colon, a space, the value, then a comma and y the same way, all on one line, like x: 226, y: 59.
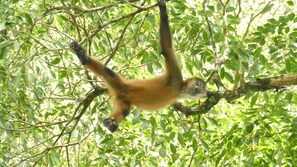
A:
x: 110, y: 124
x: 197, y: 92
x: 209, y: 93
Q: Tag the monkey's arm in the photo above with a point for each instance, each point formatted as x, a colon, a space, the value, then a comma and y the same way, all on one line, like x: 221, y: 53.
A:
x: 165, y: 34
x: 172, y: 67
x: 80, y: 52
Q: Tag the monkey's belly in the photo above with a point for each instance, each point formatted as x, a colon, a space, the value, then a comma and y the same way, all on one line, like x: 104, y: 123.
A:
x: 151, y: 94
x: 153, y: 100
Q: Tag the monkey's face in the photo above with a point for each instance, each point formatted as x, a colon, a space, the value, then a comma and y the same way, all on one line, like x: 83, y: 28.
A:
x: 194, y: 88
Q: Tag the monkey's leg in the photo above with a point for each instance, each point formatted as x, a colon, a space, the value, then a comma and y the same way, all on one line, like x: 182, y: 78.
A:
x: 110, y: 77
x: 121, y: 110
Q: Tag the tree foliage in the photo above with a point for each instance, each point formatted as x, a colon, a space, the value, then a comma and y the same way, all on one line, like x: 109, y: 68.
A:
x: 51, y: 109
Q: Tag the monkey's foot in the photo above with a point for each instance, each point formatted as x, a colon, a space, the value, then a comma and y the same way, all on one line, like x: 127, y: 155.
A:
x: 110, y: 124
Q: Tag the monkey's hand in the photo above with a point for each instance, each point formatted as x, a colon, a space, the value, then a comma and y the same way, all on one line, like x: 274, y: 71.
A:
x: 80, y: 52
x: 162, y: 3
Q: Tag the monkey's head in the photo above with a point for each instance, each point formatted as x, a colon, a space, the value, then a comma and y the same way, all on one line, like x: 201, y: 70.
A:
x: 194, y: 88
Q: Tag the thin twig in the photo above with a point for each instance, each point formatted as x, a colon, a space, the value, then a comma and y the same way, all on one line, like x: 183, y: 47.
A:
x: 253, y: 17
x: 119, y: 41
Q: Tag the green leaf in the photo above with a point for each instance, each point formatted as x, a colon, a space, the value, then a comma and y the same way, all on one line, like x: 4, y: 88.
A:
x: 293, y: 34
x: 56, y: 60
x: 172, y: 148
x: 94, y: 109
x: 239, y: 141
x: 189, y: 65
x: 267, y: 8
x: 287, y: 29
x: 2, y: 26
x: 288, y: 65
x: 29, y: 19
x: 293, y: 138
x: 204, y: 144
x: 254, y: 100
x: 261, y: 40
x: 290, y: 3
x: 150, y: 68
x: 172, y: 135
x: 151, y: 18
x: 229, y: 77
x: 54, y: 157
x: 180, y: 138
x: 222, y: 73
x: 5, y: 44
x: 262, y: 59
x: 194, y: 143
x: 205, y: 36
x: 230, y: 9
x: 291, y: 16
x: 145, y: 124
x: 153, y: 122
x: 219, y: 37
x: 249, y: 128
x: 213, y: 121
x: 162, y: 151
x: 232, y: 19
x: 289, y: 96
x: 163, y: 125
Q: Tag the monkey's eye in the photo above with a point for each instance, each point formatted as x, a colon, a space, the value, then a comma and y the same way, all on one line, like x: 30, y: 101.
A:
x: 199, y: 85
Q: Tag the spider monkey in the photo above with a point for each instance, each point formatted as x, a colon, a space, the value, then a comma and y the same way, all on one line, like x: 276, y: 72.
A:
x: 149, y: 94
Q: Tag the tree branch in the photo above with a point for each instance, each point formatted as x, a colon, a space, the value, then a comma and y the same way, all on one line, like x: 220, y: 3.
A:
x: 85, y: 104
x: 253, y: 17
x: 99, y: 28
x: 257, y: 85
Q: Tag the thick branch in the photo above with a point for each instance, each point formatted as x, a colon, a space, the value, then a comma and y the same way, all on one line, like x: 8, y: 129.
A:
x: 261, y: 85
x: 258, y: 85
